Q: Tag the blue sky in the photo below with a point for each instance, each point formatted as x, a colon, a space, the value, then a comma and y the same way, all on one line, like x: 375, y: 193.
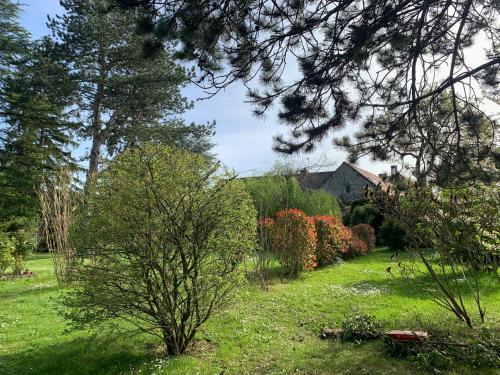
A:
x: 243, y: 142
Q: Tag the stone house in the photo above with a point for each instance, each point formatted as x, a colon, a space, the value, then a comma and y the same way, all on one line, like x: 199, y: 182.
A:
x: 347, y: 182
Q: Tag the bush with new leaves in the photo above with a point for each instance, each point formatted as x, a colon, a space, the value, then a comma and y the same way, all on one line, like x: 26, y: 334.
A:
x: 331, y: 239
x: 7, y: 248
x: 294, y: 242
x: 17, y: 242
x: 461, y: 225
x: 393, y: 234
x: 366, y: 233
x: 166, y: 232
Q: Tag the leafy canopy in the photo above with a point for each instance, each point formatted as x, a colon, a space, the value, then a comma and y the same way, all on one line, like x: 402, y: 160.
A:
x: 122, y: 99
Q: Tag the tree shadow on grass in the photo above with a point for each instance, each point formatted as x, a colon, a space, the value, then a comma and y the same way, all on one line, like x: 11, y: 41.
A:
x: 418, y: 286
x: 28, y: 291
x: 351, y: 358
x: 79, y: 356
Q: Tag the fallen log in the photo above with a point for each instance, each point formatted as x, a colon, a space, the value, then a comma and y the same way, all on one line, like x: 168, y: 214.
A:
x: 335, y: 333
x: 408, y: 336
x: 396, y: 335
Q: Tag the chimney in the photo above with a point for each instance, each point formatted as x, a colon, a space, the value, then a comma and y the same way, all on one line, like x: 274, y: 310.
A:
x: 394, y: 170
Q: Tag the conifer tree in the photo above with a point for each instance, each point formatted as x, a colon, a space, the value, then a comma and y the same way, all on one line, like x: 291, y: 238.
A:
x: 35, y: 131
x: 359, y: 62
x: 123, y: 99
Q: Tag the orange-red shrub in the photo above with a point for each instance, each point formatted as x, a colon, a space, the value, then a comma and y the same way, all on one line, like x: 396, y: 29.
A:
x: 294, y: 242
x: 366, y: 233
x: 355, y: 247
x: 346, y: 238
x: 332, y: 239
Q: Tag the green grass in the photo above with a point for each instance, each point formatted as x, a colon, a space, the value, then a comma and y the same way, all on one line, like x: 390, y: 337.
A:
x: 274, y: 332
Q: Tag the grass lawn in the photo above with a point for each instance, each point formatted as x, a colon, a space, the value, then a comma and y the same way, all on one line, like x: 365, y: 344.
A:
x: 274, y: 332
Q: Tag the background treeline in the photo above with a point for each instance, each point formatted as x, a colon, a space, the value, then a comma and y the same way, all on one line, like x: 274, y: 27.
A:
x: 85, y: 84
x: 388, y: 232
x: 272, y: 193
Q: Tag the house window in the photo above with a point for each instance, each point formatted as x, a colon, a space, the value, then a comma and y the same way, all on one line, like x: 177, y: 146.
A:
x: 348, y: 188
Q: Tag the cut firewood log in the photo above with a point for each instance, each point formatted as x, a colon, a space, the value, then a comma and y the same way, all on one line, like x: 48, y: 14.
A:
x: 335, y: 333
x: 408, y: 336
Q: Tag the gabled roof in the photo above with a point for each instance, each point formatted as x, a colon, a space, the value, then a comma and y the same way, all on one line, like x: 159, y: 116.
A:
x: 373, y: 178
x: 316, y: 180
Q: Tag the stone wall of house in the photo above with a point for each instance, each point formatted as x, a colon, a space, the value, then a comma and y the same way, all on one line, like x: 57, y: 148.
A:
x: 346, y: 184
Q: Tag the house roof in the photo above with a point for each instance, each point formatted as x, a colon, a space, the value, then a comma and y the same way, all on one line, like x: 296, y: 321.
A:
x: 373, y: 178
x: 316, y: 180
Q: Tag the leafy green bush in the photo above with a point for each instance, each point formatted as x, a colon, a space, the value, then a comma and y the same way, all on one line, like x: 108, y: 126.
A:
x: 359, y: 326
x: 18, y: 240
x: 393, y: 235
x: 363, y: 214
x: 461, y: 225
x: 25, y: 243
x: 166, y: 232
x: 7, y: 248
x: 366, y: 233
x: 294, y: 241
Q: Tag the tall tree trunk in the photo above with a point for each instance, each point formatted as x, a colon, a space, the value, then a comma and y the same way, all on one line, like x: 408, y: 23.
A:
x: 419, y: 173
x: 41, y: 244
x: 95, y: 151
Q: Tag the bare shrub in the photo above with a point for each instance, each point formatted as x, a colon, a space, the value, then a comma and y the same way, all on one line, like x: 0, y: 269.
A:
x: 459, y: 227
x: 57, y: 204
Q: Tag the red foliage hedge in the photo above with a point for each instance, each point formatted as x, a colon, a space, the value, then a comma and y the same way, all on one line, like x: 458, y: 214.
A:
x: 355, y: 247
x: 332, y: 239
x: 366, y: 233
x: 294, y: 241
x: 301, y: 243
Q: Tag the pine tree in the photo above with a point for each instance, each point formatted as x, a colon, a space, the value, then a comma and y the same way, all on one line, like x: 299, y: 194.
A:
x: 358, y: 61
x: 123, y: 99
x: 13, y: 40
x: 439, y: 153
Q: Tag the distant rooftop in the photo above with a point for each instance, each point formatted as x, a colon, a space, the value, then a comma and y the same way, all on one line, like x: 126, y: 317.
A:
x: 315, y: 180
x: 373, y: 178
